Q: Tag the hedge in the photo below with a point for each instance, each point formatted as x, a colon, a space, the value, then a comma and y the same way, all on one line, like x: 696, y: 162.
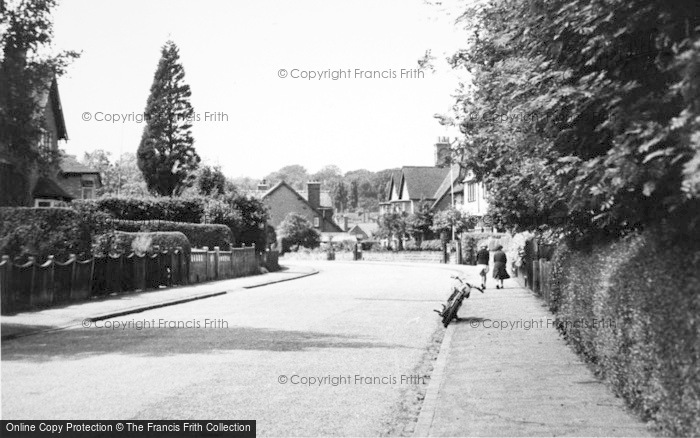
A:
x: 41, y: 232
x: 199, y: 235
x: 167, y: 209
x: 125, y: 243
x: 638, y: 301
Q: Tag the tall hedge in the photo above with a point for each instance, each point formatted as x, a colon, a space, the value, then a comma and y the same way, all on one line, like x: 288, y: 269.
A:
x: 125, y: 243
x: 199, y: 235
x: 639, y: 303
x: 41, y: 232
x: 165, y: 208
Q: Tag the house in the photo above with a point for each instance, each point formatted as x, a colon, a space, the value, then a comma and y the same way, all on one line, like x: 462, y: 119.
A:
x: 80, y: 181
x: 54, y: 186
x: 363, y: 231
x: 313, y: 204
x: 441, y: 185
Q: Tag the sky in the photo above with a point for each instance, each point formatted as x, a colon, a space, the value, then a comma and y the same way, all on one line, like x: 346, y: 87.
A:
x: 253, y: 121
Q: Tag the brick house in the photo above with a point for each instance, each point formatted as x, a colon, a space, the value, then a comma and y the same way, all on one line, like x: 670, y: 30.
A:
x: 80, y: 181
x: 314, y: 205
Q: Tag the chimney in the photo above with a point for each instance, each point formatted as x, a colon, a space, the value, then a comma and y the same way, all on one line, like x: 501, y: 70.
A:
x: 313, y: 190
x: 262, y: 186
x: 443, y: 152
x: 345, y: 223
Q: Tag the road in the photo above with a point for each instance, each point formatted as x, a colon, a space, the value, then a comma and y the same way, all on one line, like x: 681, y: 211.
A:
x: 366, y: 332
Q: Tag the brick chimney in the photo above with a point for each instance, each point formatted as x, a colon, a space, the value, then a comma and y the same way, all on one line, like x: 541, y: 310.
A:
x: 263, y: 186
x: 313, y: 190
x: 443, y: 152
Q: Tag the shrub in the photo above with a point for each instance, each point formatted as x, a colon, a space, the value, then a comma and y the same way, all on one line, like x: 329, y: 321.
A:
x: 165, y: 208
x: 639, y: 303
x: 199, y: 235
x: 296, y: 230
x: 121, y: 242
x: 41, y: 232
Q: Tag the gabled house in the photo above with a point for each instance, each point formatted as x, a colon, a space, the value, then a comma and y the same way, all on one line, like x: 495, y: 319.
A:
x: 441, y: 185
x: 283, y: 199
x: 79, y: 180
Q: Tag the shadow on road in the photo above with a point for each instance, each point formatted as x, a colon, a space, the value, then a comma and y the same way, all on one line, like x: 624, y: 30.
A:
x: 81, y: 342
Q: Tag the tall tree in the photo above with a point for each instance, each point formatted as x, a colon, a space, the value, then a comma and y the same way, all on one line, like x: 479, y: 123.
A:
x: 211, y: 181
x: 166, y: 155
x: 339, y: 194
x: 26, y: 72
x: 354, y: 194
x: 295, y: 175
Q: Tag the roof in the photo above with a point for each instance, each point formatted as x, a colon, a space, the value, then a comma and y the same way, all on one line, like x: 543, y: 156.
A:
x: 69, y: 164
x: 422, y: 181
x: 50, y: 94
x: 48, y: 188
x: 326, y: 200
x: 367, y: 228
x: 303, y: 199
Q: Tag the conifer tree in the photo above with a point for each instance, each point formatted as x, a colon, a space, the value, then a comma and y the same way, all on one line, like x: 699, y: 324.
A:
x: 166, y: 155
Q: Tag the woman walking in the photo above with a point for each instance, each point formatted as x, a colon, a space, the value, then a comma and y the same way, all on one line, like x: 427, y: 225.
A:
x: 499, y: 266
x: 482, y: 264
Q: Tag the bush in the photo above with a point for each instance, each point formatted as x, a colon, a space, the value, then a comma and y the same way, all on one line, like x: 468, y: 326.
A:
x: 297, y: 231
x: 199, y: 235
x: 639, y: 301
x: 121, y: 242
x: 41, y: 232
x: 165, y: 208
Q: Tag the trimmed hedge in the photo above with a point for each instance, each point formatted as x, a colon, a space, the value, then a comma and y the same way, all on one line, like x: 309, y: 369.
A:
x: 638, y: 304
x: 199, y: 235
x: 426, y: 245
x: 125, y: 243
x: 137, y: 209
x: 41, y: 232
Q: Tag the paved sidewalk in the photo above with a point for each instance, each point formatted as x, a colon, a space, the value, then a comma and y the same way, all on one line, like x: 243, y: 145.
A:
x: 28, y: 323
x: 493, y: 381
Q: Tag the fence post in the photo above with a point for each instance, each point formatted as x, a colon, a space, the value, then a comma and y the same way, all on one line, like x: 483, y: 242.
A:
x: 217, y: 255
x: 51, y: 286
x: 8, y: 301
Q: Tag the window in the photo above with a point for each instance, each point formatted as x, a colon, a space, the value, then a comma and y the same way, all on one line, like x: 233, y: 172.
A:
x: 471, y: 192
x: 45, y: 143
x: 88, y: 189
x: 43, y: 204
x: 317, y: 222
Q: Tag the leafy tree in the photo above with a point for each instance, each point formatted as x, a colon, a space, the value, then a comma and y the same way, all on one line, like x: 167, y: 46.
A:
x: 296, y: 230
x: 294, y: 175
x: 450, y: 219
x: 211, y: 181
x: 166, y: 155
x: 26, y: 71
x: 120, y: 178
x: 393, y: 226
x: 584, y: 115
x: 328, y: 175
x: 419, y: 224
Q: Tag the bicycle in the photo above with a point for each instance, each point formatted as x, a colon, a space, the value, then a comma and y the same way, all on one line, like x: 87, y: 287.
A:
x: 460, y: 292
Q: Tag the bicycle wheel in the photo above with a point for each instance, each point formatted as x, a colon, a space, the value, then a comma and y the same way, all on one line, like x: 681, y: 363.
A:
x: 451, y: 313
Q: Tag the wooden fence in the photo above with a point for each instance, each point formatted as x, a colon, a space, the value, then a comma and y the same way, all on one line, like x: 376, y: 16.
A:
x: 536, y: 270
x: 32, y: 284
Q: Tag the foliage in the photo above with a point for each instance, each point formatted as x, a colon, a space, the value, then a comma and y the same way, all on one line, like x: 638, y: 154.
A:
x: 26, y: 71
x: 167, y: 209
x: 639, y: 303
x: 426, y: 245
x: 254, y: 215
x: 296, y: 230
x: 295, y: 175
x: 166, y: 155
x: 419, y: 224
x: 392, y: 226
x: 121, y: 178
x: 452, y: 218
x: 199, y: 235
x: 41, y: 232
x: 584, y: 115
x: 121, y: 242
x: 354, y: 196
x: 339, y: 194
x: 211, y: 181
